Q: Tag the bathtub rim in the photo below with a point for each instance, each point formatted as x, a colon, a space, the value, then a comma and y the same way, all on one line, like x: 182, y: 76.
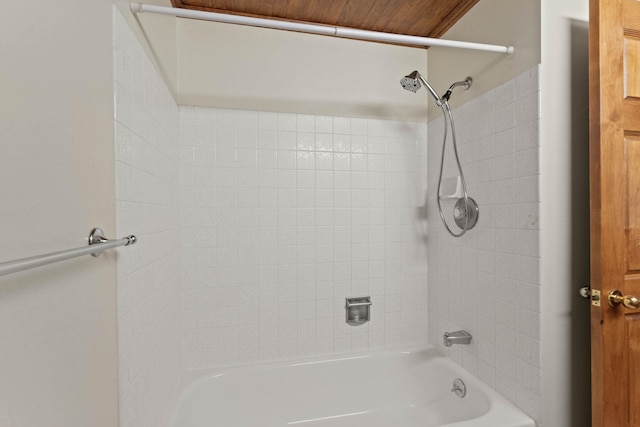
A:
x: 499, y: 405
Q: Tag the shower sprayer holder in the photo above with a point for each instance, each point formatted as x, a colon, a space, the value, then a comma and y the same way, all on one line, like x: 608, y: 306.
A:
x: 466, y: 216
x: 466, y: 83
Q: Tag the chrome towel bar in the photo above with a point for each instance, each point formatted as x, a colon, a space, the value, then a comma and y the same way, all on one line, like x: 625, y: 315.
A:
x: 97, y: 244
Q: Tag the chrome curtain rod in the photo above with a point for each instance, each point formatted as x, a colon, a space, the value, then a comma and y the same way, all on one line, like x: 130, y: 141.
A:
x: 97, y: 244
x: 326, y: 30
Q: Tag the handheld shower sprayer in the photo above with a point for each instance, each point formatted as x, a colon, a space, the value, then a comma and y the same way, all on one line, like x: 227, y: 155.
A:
x: 466, y: 209
x: 412, y: 81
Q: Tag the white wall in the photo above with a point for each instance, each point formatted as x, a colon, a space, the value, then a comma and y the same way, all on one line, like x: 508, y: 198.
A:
x: 501, y: 22
x: 149, y: 310
x: 58, y: 323
x: 284, y: 216
x: 488, y: 282
x: 564, y: 214
x: 223, y: 65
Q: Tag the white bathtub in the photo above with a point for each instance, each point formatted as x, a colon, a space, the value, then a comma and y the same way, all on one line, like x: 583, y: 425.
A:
x: 408, y: 388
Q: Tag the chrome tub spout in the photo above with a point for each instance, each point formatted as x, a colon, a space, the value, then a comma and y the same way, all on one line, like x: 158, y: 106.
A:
x: 457, y: 337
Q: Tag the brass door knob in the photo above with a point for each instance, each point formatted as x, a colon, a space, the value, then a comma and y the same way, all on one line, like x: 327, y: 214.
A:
x: 616, y: 298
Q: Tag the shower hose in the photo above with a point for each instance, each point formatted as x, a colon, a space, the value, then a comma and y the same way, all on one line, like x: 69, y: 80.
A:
x: 448, y: 121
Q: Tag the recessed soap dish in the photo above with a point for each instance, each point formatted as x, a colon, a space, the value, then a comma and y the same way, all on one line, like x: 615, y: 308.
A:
x: 358, y: 310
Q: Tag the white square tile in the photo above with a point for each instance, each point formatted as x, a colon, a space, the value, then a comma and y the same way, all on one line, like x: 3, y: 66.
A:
x: 528, y: 269
x: 324, y: 161
x: 358, y: 126
x: 247, y: 138
x: 306, y: 179
x: 376, y: 127
x: 306, y: 141
x: 324, y: 142
x: 528, y: 323
x: 527, y: 162
x: 225, y: 118
x: 286, y: 122
x: 527, y: 109
x: 527, y: 189
x: 287, y: 140
x: 267, y: 120
x: 305, y: 160
x: 527, y: 135
x: 267, y: 159
x: 506, y: 240
x: 506, y: 386
x: 528, y: 401
x: 342, y: 143
x: 528, y: 296
x: 504, y: 142
x: 305, y: 123
x: 505, y: 117
x: 505, y: 93
x: 342, y: 125
x: 527, y: 216
x: 528, y: 242
x: 246, y: 158
x: 286, y: 159
x: 246, y: 119
x: 267, y: 139
x: 527, y: 83
x: 324, y: 124
x: 375, y: 144
x: 503, y: 167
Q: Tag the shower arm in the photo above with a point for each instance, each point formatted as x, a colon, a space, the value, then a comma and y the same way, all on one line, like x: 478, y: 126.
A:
x: 466, y: 83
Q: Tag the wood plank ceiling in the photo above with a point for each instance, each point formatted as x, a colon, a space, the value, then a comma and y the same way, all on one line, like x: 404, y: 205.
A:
x: 426, y: 18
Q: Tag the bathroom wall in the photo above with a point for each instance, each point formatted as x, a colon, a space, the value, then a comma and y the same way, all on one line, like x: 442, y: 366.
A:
x: 564, y: 215
x: 233, y: 66
x: 282, y: 217
x: 488, y: 281
x: 502, y: 22
x: 563, y: 159
x: 58, y: 322
x: 149, y: 316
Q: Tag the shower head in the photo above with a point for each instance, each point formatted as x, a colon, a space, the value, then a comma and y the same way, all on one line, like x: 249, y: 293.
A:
x: 412, y: 81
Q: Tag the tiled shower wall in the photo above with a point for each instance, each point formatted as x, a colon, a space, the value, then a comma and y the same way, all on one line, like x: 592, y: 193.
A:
x: 149, y: 313
x: 282, y: 216
x: 285, y: 215
x: 488, y: 281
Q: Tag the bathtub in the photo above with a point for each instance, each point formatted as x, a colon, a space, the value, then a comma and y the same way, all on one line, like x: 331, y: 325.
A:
x: 388, y: 388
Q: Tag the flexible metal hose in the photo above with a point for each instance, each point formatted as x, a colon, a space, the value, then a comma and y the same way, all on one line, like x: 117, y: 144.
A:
x: 448, y: 119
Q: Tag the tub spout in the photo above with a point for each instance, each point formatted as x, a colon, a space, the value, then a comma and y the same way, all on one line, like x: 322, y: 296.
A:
x: 457, y: 337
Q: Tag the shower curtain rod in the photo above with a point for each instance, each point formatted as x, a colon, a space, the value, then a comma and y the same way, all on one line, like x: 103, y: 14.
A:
x: 350, y: 33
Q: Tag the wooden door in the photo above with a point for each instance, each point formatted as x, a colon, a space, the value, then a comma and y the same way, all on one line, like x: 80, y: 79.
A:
x: 614, y: 75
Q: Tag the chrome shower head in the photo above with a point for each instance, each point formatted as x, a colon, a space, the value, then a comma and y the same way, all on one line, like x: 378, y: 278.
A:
x: 412, y: 82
